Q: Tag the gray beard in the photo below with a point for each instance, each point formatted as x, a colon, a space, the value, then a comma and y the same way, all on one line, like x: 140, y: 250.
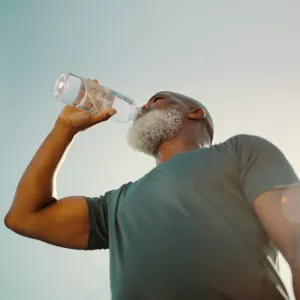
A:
x: 155, y: 127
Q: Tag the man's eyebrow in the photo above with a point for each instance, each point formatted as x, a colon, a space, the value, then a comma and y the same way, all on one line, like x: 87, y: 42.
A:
x: 158, y: 95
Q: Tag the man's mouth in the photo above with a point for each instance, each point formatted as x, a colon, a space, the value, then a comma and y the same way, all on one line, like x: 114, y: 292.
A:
x: 142, y: 113
x: 138, y: 116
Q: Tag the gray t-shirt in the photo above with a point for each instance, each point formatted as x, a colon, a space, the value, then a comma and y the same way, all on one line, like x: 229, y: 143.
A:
x: 187, y: 230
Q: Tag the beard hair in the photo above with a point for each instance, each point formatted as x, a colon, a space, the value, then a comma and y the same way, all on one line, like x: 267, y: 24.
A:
x: 153, y: 128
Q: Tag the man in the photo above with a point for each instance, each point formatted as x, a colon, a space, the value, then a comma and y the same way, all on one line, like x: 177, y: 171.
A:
x: 205, y: 223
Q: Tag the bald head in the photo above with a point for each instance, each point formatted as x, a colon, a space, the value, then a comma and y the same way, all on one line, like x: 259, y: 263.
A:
x: 179, y: 98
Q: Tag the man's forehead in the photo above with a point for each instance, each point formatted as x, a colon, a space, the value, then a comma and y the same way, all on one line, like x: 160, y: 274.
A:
x: 177, y: 96
x: 168, y: 93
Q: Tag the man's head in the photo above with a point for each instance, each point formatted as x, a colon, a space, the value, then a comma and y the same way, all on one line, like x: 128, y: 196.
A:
x: 167, y: 116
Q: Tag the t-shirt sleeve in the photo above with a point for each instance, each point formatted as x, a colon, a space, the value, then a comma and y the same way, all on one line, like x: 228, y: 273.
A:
x: 98, y: 223
x: 262, y: 167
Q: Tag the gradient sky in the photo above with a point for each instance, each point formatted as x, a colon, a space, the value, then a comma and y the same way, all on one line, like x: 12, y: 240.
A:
x: 240, y: 58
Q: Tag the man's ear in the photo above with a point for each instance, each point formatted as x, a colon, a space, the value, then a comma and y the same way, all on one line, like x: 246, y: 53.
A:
x: 197, y: 114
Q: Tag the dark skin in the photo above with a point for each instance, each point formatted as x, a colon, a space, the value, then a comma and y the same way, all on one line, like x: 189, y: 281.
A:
x: 37, y: 213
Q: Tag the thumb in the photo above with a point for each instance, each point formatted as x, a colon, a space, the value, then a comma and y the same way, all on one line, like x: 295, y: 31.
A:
x: 104, y: 115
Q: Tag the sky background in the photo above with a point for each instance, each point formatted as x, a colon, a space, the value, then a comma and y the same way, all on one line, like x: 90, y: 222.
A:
x: 240, y: 58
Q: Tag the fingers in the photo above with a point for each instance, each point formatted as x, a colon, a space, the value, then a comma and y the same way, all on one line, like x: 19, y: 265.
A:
x: 81, y: 94
x: 95, y: 94
x: 104, y: 115
x: 91, y: 101
x: 87, y: 102
x: 94, y: 80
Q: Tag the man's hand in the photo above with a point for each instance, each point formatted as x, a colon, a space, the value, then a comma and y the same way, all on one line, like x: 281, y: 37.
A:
x: 77, y: 119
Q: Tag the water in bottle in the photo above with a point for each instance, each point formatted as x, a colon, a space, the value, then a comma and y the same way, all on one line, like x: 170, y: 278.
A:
x: 86, y: 94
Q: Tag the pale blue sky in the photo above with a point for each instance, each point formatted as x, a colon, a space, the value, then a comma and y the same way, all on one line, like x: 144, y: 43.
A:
x: 240, y: 58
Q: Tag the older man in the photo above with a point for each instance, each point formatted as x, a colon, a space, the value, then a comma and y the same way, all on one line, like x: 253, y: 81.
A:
x: 205, y: 223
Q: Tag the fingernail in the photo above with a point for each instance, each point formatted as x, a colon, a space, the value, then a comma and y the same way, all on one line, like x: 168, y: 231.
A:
x: 111, y: 113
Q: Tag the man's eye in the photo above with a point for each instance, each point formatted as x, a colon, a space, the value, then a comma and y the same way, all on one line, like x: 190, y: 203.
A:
x: 157, y: 98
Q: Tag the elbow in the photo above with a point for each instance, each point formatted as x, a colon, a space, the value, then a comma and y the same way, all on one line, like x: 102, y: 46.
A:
x: 20, y: 225
x: 13, y: 223
x: 10, y: 221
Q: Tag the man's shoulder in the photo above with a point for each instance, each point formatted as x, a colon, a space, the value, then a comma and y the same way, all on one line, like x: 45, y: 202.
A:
x: 247, y: 145
x: 244, y: 138
x: 248, y: 140
x: 114, y: 194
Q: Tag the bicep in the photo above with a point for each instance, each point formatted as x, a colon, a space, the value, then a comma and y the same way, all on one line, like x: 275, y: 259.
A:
x: 64, y: 223
x: 278, y: 212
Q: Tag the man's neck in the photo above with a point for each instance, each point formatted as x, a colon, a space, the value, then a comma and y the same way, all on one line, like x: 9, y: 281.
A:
x: 174, y: 147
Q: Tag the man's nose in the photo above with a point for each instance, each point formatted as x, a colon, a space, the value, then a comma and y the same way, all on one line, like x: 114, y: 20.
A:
x: 146, y: 106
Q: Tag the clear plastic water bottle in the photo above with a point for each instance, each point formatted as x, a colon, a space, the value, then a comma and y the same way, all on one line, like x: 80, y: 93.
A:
x: 86, y: 94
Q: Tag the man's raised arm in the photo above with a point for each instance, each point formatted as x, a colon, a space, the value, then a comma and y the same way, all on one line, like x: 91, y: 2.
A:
x: 35, y: 212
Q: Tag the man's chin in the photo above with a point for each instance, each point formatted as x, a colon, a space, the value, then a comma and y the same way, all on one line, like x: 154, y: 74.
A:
x: 143, y: 147
x: 149, y: 148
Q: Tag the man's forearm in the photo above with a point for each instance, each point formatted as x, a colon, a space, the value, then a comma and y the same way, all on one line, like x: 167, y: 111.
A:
x: 36, y: 187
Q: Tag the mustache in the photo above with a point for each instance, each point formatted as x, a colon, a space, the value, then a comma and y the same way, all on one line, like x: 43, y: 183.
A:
x: 143, y: 112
